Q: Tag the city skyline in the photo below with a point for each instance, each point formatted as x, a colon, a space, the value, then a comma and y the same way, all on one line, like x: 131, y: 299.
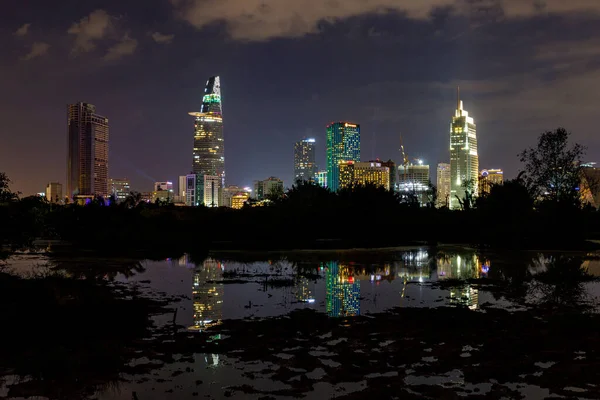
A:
x: 145, y: 69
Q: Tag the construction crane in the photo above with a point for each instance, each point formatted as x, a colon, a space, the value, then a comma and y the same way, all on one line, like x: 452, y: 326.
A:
x: 405, y: 160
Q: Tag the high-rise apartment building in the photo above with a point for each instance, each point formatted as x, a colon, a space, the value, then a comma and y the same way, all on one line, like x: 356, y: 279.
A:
x: 343, y: 144
x: 305, y: 166
x: 489, y: 178
x: 321, y: 178
x: 187, y: 190
x: 413, y: 180
x: 363, y: 173
x: 464, y: 160
x: 54, y: 192
x: 213, y: 190
x: 443, y: 185
x: 209, y: 150
x: 119, y: 188
x: 263, y: 189
x: 87, y: 162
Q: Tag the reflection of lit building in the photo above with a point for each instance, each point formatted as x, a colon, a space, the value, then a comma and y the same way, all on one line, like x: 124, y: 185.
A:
x: 302, y: 290
x: 207, y: 297
x: 489, y: 178
x: 466, y: 295
x: 363, y: 173
x: 342, y: 291
x: 464, y: 160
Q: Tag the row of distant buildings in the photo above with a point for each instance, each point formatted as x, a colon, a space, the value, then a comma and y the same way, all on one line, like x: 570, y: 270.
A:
x: 344, y: 167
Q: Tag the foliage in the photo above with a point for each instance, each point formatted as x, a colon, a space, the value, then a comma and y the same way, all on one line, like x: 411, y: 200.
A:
x: 6, y: 195
x: 553, y: 169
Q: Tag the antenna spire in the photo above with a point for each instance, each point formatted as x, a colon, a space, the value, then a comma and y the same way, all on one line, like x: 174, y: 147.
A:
x: 458, y: 97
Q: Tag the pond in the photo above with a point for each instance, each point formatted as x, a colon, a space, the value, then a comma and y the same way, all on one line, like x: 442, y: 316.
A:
x: 313, y: 295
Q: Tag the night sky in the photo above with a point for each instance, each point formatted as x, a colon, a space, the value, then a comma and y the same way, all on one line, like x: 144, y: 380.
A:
x: 288, y: 68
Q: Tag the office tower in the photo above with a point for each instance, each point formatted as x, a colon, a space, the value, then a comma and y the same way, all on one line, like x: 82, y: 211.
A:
x: 187, y: 189
x: 342, y: 291
x: 263, y: 189
x: 209, y: 151
x: 212, y: 190
x: 119, y: 188
x: 343, y: 144
x: 443, y: 185
x: 363, y: 173
x: 413, y: 180
x: 87, y: 162
x: 54, y: 192
x: 305, y: 166
x: 393, y: 171
x: 321, y: 178
x: 489, y: 178
x: 464, y: 161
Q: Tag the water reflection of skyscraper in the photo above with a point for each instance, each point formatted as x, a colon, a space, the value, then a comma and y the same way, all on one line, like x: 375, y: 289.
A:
x: 463, y: 267
x: 342, y: 291
x: 207, y: 295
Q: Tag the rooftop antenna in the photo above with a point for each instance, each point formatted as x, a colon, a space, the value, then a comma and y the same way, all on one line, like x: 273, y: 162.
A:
x: 458, y: 97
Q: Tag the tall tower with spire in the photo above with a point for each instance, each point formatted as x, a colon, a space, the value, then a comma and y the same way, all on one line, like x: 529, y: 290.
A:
x: 209, y: 146
x: 464, y: 160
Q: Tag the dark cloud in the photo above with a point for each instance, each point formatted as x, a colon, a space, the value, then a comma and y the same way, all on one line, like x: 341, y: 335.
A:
x: 38, y: 49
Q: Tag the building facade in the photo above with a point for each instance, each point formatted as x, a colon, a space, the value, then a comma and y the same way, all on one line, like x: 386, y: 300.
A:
x: 321, y: 178
x: 213, y: 190
x: 119, y: 188
x: 343, y: 144
x: 87, y: 160
x: 413, y: 180
x: 209, y: 144
x: 464, y: 159
x: 187, y: 190
x: 393, y: 184
x: 363, y: 173
x: 54, y: 192
x: 158, y: 186
x: 238, y: 200
x: 489, y: 178
x: 443, y: 185
x: 263, y: 189
x: 305, y: 166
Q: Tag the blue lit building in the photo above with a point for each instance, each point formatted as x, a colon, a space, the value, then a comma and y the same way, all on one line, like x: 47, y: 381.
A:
x: 343, y: 144
x: 342, y: 291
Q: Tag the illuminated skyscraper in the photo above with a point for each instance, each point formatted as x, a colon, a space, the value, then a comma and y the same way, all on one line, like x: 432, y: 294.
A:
x: 305, y: 166
x: 209, y: 150
x: 413, y: 179
x: 343, y: 144
x: 443, y: 185
x: 87, y: 162
x: 363, y: 173
x: 464, y: 161
x: 54, y: 192
x: 489, y: 178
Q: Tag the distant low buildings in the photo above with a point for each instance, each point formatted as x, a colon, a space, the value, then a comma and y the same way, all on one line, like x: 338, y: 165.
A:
x: 119, y: 188
x: 488, y: 178
x: 54, y: 192
x: 269, y: 186
x: 238, y: 200
x: 363, y: 173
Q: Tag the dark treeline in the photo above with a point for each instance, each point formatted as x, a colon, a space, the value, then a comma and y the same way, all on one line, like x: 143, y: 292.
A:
x: 542, y: 207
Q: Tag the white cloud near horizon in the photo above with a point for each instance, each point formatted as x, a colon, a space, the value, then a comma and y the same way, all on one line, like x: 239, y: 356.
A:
x: 162, y: 38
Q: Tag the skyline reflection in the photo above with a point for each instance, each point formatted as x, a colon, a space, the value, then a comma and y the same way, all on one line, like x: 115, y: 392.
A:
x: 207, y: 295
